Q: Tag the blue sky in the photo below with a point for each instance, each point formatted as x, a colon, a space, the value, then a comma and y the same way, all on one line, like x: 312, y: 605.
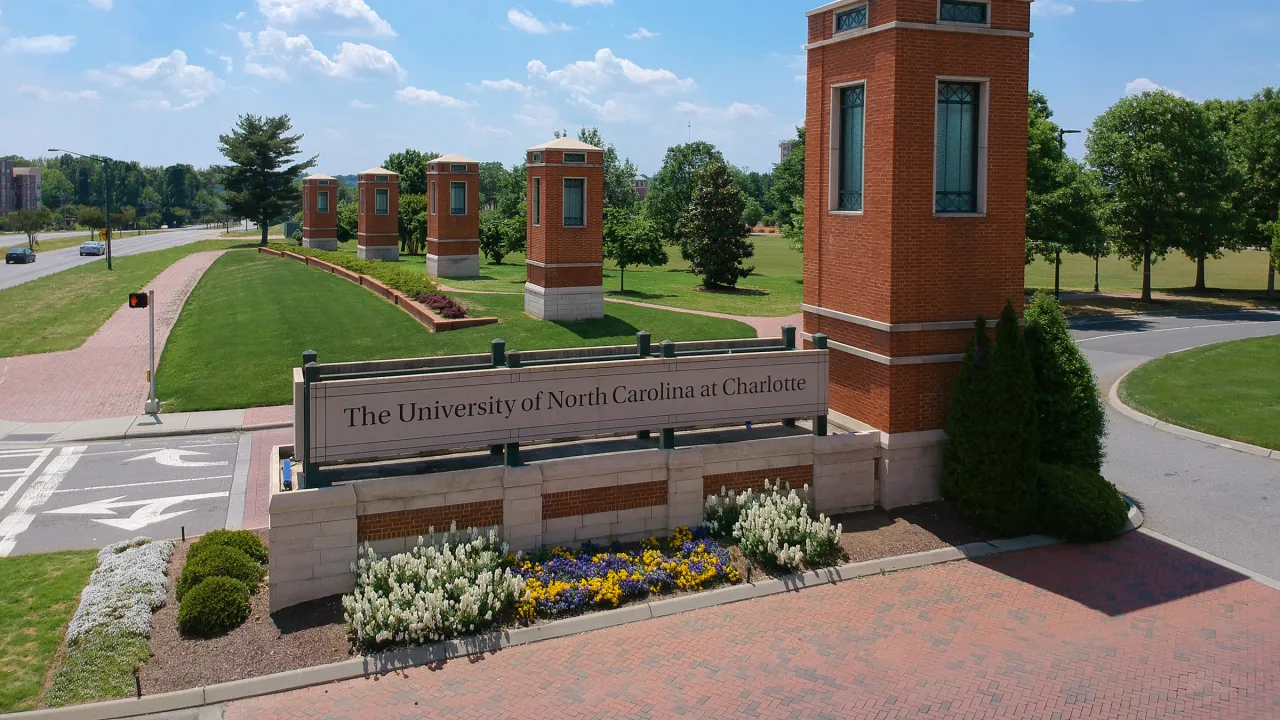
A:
x: 157, y: 80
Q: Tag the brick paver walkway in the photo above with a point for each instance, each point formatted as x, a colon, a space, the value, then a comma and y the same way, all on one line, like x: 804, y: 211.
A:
x: 107, y: 376
x: 1130, y: 629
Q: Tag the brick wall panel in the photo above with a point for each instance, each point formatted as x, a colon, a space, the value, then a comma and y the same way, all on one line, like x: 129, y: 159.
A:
x: 411, y: 523
x: 606, y: 499
x: 797, y: 477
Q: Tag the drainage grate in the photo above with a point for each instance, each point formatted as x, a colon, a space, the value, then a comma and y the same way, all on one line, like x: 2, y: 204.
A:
x: 34, y: 437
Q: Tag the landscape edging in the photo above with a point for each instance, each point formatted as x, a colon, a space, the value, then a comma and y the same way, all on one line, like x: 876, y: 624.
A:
x: 490, y: 642
x: 411, y: 307
x: 1113, y: 399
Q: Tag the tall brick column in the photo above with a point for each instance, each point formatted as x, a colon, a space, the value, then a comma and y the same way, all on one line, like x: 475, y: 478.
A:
x: 566, y: 233
x: 453, y: 227
x: 379, y: 211
x: 320, y: 212
x: 910, y: 240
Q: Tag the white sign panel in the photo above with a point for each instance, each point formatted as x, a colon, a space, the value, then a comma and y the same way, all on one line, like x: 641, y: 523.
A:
x: 353, y: 420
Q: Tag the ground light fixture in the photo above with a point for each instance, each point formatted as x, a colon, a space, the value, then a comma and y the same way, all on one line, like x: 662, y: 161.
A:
x: 106, y: 168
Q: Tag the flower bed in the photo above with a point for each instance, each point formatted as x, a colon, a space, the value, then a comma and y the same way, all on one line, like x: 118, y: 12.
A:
x: 774, y: 527
x: 447, y: 307
x: 107, y: 637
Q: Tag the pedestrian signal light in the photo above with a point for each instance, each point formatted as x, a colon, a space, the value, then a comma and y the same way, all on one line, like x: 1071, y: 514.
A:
x: 138, y: 301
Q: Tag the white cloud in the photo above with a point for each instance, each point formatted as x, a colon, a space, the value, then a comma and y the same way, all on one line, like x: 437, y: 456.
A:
x: 642, y: 34
x: 240, y: 15
x: 524, y: 21
x: 606, y: 70
x: 539, y: 116
x: 735, y: 111
x: 1142, y: 85
x: 231, y: 65
x: 416, y: 96
x: 290, y: 12
x: 581, y: 3
x: 101, y: 4
x: 1052, y: 8
x: 362, y: 105
x: 192, y: 84
x: 613, y: 110
x: 281, y: 49
x: 486, y: 131
x: 41, y: 44
x: 503, y: 85
x: 65, y: 96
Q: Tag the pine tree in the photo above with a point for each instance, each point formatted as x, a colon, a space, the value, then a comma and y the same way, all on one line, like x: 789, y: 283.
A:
x: 259, y: 181
x: 715, y: 239
x: 1072, y: 420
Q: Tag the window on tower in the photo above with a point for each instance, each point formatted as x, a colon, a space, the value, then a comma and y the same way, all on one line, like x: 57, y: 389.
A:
x: 961, y: 11
x: 956, y: 171
x: 851, y: 19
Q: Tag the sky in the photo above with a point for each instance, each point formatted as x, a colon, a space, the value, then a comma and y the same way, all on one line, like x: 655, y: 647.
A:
x: 157, y: 81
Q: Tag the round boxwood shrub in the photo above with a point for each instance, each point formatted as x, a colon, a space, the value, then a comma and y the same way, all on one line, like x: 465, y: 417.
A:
x: 1079, y: 505
x: 213, y: 607
x: 219, y: 561
x: 243, y: 540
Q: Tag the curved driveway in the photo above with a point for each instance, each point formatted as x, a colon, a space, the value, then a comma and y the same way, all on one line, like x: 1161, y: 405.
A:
x: 53, y: 261
x: 1221, y: 501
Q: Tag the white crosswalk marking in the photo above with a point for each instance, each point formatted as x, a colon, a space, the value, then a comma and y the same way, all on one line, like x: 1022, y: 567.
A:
x: 21, y: 475
x: 37, y: 494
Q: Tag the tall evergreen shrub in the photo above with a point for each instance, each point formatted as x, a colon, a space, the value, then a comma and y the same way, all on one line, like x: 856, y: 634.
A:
x: 1072, y: 420
x: 966, y: 418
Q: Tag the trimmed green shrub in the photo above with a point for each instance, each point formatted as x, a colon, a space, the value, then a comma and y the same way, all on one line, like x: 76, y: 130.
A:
x: 219, y: 561
x: 990, y: 463
x: 1079, y: 505
x: 1071, y: 417
x: 213, y: 607
x: 397, y: 276
x: 243, y: 540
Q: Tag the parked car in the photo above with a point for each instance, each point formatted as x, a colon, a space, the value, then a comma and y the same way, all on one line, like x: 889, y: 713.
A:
x: 19, y: 255
x: 93, y: 247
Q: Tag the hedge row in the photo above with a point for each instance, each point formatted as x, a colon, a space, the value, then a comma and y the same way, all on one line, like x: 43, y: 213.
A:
x: 397, y: 276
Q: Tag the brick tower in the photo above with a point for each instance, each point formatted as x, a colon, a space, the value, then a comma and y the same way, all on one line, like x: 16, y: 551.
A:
x: 320, y: 212
x: 566, y: 231
x: 379, y: 236
x: 453, y: 217
x: 915, y: 191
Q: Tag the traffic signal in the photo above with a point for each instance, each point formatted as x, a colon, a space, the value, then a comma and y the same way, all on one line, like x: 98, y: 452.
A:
x: 138, y: 301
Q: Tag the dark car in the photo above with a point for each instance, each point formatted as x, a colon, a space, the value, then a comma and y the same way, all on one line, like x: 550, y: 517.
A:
x: 19, y: 255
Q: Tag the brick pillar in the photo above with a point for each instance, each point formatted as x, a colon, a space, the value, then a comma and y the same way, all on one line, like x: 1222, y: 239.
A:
x: 453, y: 229
x: 320, y: 212
x: 566, y: 238
x: 908, y: 241
x: 379, y: 198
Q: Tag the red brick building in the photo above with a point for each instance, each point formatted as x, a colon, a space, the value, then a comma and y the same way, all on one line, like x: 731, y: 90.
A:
x: 915, y: 209
x: 453, y: 217
x: 320, y: 212
x: 565, y: 194
x: 379, y: 198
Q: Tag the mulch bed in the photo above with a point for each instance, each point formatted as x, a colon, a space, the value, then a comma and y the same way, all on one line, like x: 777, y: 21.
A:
x: 302, y: 636
x: 314, y: 633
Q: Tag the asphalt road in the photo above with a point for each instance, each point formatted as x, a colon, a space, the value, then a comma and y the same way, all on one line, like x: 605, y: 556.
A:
x: 86, y: 496
x: 53, y: 261
x: 1221, y: 501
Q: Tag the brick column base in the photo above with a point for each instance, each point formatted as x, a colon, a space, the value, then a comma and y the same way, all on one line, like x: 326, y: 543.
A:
x: 330, y: 244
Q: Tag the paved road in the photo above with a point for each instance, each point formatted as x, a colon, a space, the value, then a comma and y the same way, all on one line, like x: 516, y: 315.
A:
x: 87, y: 496
x: 1221, y: 501
x: 53, y: 261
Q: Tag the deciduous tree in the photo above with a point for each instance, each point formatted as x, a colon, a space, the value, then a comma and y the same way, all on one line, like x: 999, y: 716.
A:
x: 411, y: 165
x: 788, y: 181
x: 671, y: 189
x: 1257, y: 141
x: 31, y: 223
x: 630, y: 240
x: 259, y: 180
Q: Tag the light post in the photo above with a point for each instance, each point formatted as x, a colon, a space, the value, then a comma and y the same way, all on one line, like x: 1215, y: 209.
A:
x: 1062, y: 136
x: 106, y: 180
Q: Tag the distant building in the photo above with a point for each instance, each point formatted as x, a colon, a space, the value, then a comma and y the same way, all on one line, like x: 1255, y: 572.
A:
x: 642, y: 186
x: 786, y: 146
x: 19, y: 188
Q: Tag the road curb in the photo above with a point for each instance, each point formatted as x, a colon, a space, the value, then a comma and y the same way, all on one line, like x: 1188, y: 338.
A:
x: 1113, y: 399
x: 384, y: 663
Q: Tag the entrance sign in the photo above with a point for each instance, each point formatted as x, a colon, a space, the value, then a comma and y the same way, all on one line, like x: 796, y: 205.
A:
x: 390, y: 417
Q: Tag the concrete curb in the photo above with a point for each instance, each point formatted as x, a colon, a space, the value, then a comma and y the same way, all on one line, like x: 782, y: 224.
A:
x: 491, y: 642
x: 133, y: 434
x: 1113, y: 399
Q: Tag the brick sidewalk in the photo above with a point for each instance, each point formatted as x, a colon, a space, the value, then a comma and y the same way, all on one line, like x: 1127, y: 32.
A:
x: 107, y: 376
x: 1134, y: 628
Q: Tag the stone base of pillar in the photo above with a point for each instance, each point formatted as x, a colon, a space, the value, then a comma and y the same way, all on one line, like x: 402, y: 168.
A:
x: 385, y: 253
x: 909, y: 467
x: 453, y: 266
x: 329, y: 244
x: 564, y: 304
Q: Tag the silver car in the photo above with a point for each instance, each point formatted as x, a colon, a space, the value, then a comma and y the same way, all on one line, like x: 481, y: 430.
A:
x: 93, y: 247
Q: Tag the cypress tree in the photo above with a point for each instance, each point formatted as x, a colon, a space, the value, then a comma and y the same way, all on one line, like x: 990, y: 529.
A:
x: 963, y: 453
x: 1071, y: 418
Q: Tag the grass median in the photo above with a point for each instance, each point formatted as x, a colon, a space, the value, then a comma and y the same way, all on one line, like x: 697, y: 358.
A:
x: 1231, y: 390
x: 60, y: 311
x: 249, y: 320
x: 41, y: 594
x: 1235, y: 271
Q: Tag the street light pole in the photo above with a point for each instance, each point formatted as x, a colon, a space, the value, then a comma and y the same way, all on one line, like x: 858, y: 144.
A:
x: 106, y: 179
x: 1062, y: 136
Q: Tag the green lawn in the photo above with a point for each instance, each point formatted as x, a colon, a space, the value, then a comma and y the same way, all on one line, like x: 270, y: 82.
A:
x: 1235, y: 271
x: 61, y: 311
x: 774, y: 290
x: 1231, y: 390
x: 41, y: 594
x: 275, y: 231
x: 251, y: 317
